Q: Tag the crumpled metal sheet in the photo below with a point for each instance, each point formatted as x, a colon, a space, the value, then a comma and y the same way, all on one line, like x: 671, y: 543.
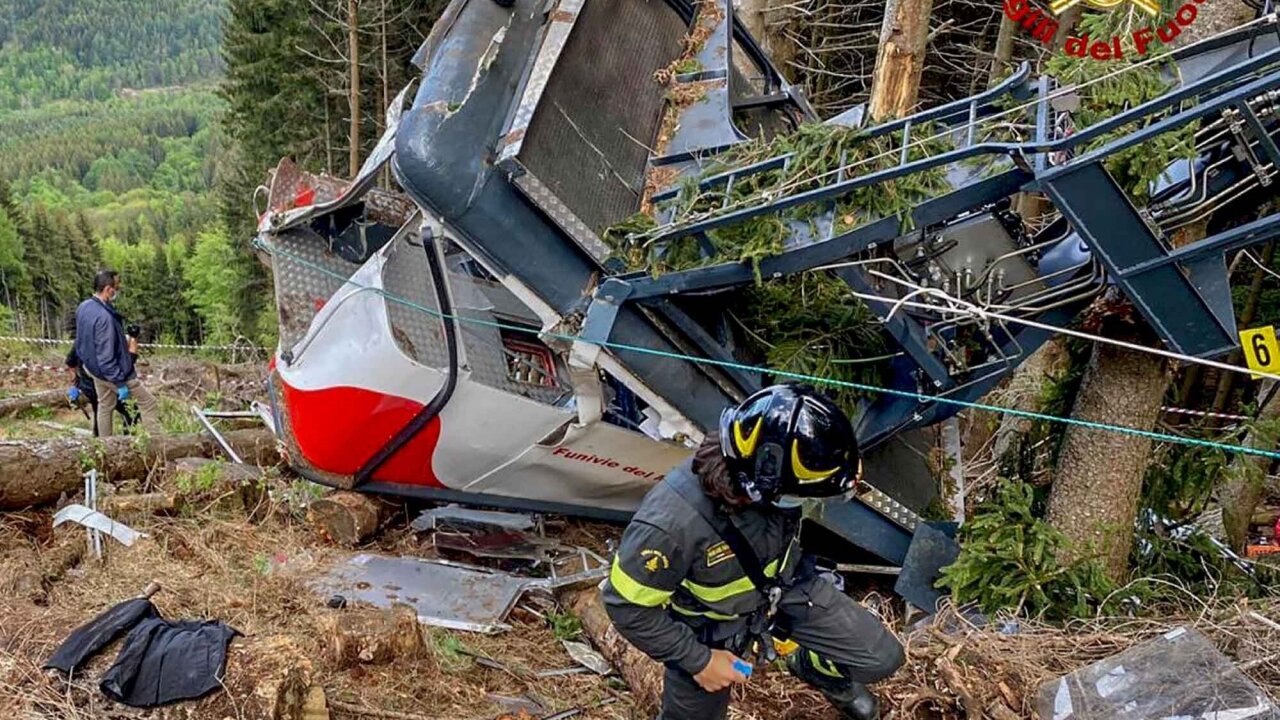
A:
x: 443, y: 593
x: 458, y: 515
x: 95, y: 520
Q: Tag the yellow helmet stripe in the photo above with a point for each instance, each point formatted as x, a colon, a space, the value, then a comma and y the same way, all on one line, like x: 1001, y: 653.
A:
x: 804, y: 474
x: 746, y: 445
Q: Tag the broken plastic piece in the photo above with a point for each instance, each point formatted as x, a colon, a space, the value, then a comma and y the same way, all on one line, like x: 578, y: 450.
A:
x: 95, y: 520
x: 1177, y: 675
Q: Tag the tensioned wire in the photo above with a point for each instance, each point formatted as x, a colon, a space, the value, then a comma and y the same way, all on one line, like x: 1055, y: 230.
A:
x: 817, y: 380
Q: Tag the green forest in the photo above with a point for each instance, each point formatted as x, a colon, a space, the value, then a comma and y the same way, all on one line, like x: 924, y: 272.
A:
x: 133, y: 134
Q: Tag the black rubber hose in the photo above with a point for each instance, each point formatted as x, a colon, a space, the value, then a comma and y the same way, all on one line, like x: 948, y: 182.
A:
x: 437, y: 403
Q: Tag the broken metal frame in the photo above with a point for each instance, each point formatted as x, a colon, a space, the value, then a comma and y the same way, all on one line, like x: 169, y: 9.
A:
x: 503, y: 216
x: 1188, y: 305
x: 222, y: 441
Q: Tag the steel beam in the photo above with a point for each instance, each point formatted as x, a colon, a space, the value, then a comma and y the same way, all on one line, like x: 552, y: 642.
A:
x: 1103, y: 216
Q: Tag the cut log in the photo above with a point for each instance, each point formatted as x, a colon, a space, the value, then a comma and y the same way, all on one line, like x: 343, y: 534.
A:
x: 267, y: 677
x: 118, y: 506
x: 371, y: 636
x: 221, y: 485
x: 34, y: 472
x: 643, y: 675
x: 348, y: 518
x: 48, y: 398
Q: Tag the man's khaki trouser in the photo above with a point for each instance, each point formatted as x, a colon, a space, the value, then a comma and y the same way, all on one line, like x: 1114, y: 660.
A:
x: 107, y: 400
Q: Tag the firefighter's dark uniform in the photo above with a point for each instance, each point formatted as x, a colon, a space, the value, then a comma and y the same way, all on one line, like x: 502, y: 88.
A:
x: 676, y: 591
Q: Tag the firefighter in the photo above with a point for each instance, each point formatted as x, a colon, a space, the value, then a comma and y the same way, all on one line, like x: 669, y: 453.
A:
x: 709, y: 571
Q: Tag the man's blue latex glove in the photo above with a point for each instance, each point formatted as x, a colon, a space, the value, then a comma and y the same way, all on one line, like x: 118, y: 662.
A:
x: 73, y: 393
x: 122, y: 393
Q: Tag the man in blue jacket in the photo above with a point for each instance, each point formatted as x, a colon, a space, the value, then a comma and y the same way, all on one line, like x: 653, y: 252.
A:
x: 103, y: 349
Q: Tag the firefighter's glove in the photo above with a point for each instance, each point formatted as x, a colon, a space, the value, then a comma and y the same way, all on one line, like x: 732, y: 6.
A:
x: 122, y: 393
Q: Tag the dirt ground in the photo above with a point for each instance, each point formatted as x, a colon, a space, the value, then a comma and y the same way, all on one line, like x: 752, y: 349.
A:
x: 215, y: 563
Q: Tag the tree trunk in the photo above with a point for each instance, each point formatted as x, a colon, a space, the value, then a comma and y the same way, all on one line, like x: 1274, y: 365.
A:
x: 1025, y: 391
x: 643, y: 675
x: 1004, y: 49
x: 1246, y: 476
x: 1066, y: 24
x: 895, y: 83
x: 353, y: 56
x: 386, y: 96
x: 1098, y: 478
x: 14, y: 405
x: 1227, y: 381
x: 34, y: 472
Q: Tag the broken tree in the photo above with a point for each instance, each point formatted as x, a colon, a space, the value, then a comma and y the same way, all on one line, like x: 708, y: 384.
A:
x: 904, y: 35
x: 34, y: 472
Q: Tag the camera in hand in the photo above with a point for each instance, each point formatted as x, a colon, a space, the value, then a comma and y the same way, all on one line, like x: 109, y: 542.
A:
x: 133, y: 330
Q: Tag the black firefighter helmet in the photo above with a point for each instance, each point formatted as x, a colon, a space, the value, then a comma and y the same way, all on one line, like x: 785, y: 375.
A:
x: 789, y: 440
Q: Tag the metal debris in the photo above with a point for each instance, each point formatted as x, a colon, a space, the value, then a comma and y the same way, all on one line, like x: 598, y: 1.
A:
x: 95, y: 520
x: 517, y: 704
x: 587, y: 657
x: 933, y: 547
x: 226, y: 447
x: 456, y: 515
x: 498, y: 545
x: 443, y: 593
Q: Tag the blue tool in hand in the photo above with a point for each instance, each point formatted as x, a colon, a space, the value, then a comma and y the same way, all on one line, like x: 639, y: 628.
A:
x: 122, y: 393
x: 743, y: 667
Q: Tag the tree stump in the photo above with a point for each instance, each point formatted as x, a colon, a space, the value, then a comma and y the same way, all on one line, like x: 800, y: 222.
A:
x: 372, y: 636
x: 348, y: 518
x: 267, y: 677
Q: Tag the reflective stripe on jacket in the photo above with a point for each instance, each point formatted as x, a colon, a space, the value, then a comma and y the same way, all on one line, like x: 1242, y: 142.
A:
x: 673, y: 571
